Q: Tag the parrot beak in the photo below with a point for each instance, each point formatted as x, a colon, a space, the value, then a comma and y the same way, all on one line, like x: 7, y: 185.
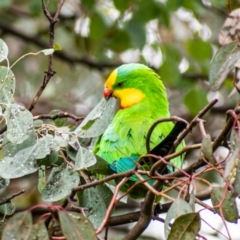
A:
x: 107, y: 93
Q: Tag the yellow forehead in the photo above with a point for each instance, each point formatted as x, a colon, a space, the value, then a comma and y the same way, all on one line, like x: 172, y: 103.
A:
x: 111, y: 80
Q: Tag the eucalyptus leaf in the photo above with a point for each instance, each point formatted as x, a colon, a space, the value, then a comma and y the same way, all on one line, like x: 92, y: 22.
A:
x: 7, y: 85
x: 97, y: 120
x: 207, y: 148
x: 84, y: 159
x: 185, y: 227
x: 96, y: 200
x: 18, y: 227
x: 41, y: 178
x: 39, y: 231
x: 7, y: 208
x: 23, y: 162
x: 178, y: 208
x: 60, y: 183
x: 76, y: 226
x: 229, y: 207
x: 19, y: 123
x: 222, y: 63
x: 3, y: 50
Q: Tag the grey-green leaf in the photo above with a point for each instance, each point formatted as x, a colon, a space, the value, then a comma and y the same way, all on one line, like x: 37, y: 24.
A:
x: 185, y: 227
x: 97, y: 120
x: 222, y: 63
x: 18, y: 227
x: 76, y: 226
x: 61, y: 180
x: 7, y: 208
x: 97, y: 200
x: 39, y: 232
x: 4, y: 182
x: 84, y: 159
x: 7, y: 85
x: 229, y: 207
x: 178, y: 208
x: 207, y: 148
x: 3, y: 50
x: 19, y: 123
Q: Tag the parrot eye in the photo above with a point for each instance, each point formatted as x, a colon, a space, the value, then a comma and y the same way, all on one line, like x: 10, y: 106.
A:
x: 120, y: 84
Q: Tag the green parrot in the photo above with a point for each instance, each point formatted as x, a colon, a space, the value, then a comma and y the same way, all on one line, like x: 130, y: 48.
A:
x: 143, y: 100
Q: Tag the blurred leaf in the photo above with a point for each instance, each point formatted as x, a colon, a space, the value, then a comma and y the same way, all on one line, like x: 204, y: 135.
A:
x: 96, y: 200
x: 199, y: 49
x: 195, y: 100
x: 39, y: 232
x: 7, y: 208
x: 5, y: 3
x: 178, y: 208
x: 18, y: 227
x: 97, y: 120
x: 122, y: 5
x: 35, y: 7
x: 137, y: 33
x: 3, y: 50
x: 84, y: 159
x: 236, y: 183
x: 59, y: 122
x: 7, y: 85
x: 19, y: 123
x: 222, y: 63
x: 185, y: 227
x: 119, y: 41
x: 4, y: 182
x: 98, y: 26
x: 76, y: 226
x: 88, y: 3
x: 207, y: 148
x: 60, y: 183
x: 49, y: 160
x: 169, y: 71
x: 57, y: 47
x: 229, y: 207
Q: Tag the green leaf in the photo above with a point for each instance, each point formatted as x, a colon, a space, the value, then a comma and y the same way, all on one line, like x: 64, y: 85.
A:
x: 39, y: 232
x: 49, y: 160
x: 122, y: 5
x: 199, y: 49
x: 185, y: 227
x: 7, y: 85
x: 100, y: 167
x: 76, y: 226
x: 5, y: 3
x: 18, y: 227
x: 59, y: 122
x: 88, y: 3
x: 137, y: 33
x: 207, y: 148
x: 23, y: 162
x: 35, y: 7
x: 119, y: 41
x: 178, y: 208
x: 57, y: 47
x: 236, y: 183
x: 60, y: 183
x: 19, y: 123
x: 222, y: 63
x: 3, y: 50
x: 98, y: 26
x: 97, y: 120
x: 96, y: 200
x: 195, y: 100
x: 229, y: 207
x: 7, y: 208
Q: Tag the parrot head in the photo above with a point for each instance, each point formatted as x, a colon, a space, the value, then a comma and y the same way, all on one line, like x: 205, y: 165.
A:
x: 131, y: 84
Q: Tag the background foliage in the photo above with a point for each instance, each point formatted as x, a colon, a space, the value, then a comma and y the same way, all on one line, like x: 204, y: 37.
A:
x: 176, y: 38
